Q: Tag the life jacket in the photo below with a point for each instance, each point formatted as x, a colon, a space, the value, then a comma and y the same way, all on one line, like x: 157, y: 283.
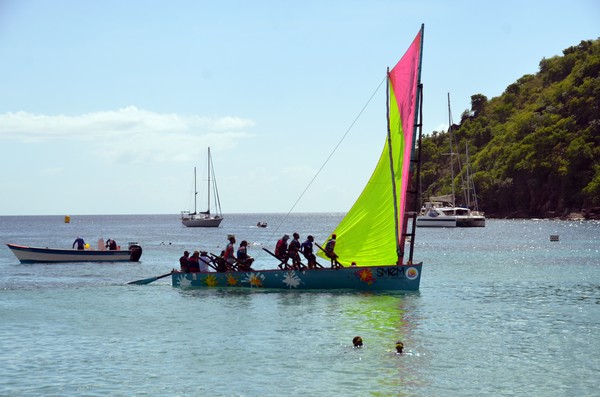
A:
x: 330, y: 246
x: 281, y: 248
x: 229, y: 251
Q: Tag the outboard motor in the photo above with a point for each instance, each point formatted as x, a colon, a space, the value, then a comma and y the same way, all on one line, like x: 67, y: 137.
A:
x: 135, y: 252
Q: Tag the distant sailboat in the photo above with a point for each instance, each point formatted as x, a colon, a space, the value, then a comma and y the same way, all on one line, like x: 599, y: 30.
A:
x: 442, y: 211
x: 205, y: 218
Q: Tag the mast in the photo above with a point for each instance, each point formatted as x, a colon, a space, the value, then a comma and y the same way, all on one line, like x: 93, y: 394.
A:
x: 451, y: 152
x: 418, y: 130
x: 391, y: 157
x: 195, y: 192
x: 208, y: 210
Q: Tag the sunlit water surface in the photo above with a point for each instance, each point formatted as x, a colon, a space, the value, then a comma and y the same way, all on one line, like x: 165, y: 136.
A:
x: 502, y: 310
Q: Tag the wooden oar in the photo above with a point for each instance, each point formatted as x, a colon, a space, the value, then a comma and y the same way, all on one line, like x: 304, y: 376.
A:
x: 284, y: 262
x: 209, y: 264
x: 338, y: 264
x: 149, y: 280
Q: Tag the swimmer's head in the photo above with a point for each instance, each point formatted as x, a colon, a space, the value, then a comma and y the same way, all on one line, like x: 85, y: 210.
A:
x: 399, y: 347
x: 357, y: 341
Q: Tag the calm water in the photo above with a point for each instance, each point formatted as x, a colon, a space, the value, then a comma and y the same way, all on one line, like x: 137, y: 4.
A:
x: 501, y: 311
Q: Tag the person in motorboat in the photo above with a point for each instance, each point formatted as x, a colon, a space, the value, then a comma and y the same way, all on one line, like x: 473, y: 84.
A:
x: 79, y: 242
x: 111, y: 244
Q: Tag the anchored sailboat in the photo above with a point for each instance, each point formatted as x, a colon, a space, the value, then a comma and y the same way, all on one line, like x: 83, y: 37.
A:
x: 442, y: 211
x: 371, y: 238
x: 205, y: 218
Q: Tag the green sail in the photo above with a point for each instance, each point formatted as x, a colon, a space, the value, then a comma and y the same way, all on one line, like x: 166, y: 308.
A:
x: 367, y: 234
x: 371, y: 233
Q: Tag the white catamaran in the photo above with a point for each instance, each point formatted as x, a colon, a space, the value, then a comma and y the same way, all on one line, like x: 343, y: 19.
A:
x: 442, y: 211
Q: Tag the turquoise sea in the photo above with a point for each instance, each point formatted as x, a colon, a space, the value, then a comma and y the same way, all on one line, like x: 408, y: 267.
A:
x: 502, y: 311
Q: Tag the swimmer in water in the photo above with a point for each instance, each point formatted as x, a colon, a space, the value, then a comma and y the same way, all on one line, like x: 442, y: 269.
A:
x: 399, y: 347
x: 357, y: 342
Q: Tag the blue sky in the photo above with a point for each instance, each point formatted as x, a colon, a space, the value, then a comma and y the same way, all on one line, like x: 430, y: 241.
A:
x: 106, y: 107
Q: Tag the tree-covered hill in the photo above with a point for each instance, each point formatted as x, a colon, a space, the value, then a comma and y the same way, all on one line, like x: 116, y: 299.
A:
x: 534, y: 151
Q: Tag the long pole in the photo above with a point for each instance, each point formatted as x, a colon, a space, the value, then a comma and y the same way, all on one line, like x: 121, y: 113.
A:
x: 391, y: 157
x: 208, y: 210
x: 195, y: 192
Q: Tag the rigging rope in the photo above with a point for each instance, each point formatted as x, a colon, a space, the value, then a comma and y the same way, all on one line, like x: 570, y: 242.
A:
x: 329, y: 157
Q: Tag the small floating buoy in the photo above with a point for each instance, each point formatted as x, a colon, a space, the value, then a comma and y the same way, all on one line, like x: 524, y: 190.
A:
x: 554, y: 237
x: 67, y: 219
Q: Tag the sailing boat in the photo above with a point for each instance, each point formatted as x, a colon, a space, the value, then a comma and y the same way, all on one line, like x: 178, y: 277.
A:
x: 442, y: 211
x: 371, y: 252
x: 204, y: 218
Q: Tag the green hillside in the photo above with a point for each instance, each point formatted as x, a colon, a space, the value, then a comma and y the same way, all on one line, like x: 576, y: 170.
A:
x: 534, y: 151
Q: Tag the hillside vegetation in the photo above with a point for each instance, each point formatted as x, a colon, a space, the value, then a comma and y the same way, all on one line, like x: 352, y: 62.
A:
x: 534, y: 151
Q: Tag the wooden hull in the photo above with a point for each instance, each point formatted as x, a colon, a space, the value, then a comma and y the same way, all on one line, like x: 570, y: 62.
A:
x: 376, y: 278
x: 55, y: 255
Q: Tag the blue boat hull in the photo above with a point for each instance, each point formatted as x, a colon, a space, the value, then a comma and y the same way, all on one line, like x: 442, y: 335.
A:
x: 375, y: 278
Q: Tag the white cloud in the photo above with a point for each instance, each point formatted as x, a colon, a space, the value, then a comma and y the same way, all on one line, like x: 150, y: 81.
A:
x: 129, y: 134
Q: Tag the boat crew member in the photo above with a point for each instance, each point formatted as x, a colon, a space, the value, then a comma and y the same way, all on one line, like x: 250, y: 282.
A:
x: 244, y: 260
x: 194, y: 262
x: 111, y: 244
x: 184, y: 263
x: 229, y: 250
x: 79, y: 242
x: 204, y: 261
x: 330, y: 250
x: 307, y: 251
x: 357, y: 341
x: 281, y: 248
x: 293, y: 251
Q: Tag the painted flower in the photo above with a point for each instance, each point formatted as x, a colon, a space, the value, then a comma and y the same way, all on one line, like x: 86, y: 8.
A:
x: 231, y: 280
x: 254, y: 279
x: 211, y: 280
x: 291, y: 280
x: 184, y: 281
x: 366, y: 276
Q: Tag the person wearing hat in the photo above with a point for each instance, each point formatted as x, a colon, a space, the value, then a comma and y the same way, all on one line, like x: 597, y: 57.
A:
x: 281, y: 249
x: 194, y: 262
x: 184, y: 262
x: 330, y: 251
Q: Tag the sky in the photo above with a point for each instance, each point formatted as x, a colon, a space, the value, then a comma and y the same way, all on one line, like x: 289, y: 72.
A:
x: 106, y: 107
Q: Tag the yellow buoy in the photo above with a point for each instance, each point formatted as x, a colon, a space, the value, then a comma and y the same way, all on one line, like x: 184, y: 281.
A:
x: 67, y: 219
